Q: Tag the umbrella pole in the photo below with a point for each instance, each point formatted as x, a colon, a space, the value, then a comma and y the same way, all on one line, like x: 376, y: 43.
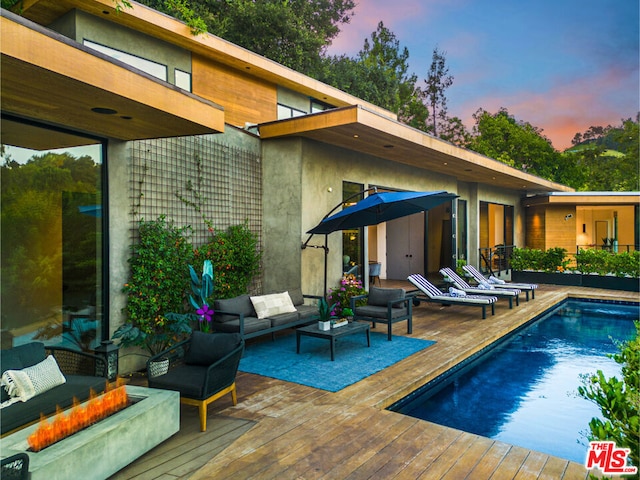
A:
x: 326, y: 258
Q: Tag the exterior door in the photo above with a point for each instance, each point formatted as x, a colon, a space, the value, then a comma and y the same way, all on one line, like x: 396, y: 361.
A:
x: 405, y: 246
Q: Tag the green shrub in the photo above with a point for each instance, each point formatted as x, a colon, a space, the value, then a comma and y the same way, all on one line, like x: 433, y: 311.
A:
x: 157, y: 287
x: 618, y: 400
x: 235, y: 254
x: 552, y: 260
x: 604, y: 262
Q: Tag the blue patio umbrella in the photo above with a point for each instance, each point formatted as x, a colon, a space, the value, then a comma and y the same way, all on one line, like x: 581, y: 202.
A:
x: 381, y: 207
x: 375, y: 209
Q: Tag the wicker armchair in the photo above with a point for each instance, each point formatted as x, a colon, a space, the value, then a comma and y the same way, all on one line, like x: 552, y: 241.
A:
x: 202, y: 368
x: 15, y: 467
x: 74, y: 362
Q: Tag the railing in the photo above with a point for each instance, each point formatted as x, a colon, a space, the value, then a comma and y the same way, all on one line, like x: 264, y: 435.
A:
x: 609, y: 247
x: 496, y: 259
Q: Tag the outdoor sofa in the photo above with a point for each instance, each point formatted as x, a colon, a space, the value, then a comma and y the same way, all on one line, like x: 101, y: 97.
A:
x: 78, y: 370
x: 253, y: 316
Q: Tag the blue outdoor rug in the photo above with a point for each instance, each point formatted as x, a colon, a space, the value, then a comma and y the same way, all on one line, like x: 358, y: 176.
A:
x: 313, y: 366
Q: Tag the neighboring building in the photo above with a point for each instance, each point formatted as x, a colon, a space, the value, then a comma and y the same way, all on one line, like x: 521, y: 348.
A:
x: 573, y: 220
x: 165, y: 115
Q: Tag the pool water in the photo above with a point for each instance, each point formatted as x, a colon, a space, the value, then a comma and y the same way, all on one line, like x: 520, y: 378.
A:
x: 524, y: 391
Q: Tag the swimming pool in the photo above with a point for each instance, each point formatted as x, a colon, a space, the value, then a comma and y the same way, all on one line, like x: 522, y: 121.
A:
x: 523, y: 391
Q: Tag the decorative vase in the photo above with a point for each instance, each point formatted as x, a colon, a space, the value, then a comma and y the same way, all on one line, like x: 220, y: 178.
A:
x: 158, y: 368
x: 324, y: 325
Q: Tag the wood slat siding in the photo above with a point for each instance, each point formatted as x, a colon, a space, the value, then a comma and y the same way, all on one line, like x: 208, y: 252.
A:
x: 245, y: 98
x: 292, y: 431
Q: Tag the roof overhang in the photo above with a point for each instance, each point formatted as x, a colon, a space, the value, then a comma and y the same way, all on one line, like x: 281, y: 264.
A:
x: 148, y: 21
x: 50, y: 78
x: 584, y: 199
x: 358, y: 129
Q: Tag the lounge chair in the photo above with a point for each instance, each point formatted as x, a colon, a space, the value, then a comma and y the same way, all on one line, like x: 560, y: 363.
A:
x: 461, y: 284
x: 525, y: 287
x: 432, y: 294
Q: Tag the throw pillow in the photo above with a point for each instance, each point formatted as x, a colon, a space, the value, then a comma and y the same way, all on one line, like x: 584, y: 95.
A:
x: 21, y: 385
x: 268, y: 305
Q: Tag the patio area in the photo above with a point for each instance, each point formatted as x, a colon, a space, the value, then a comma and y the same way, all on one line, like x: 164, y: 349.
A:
x: 285, y: 430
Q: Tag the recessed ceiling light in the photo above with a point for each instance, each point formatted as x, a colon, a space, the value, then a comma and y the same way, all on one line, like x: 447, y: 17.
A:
x: 356, y: 136
x: 104, y: 111
x: 388, y: 146
x: 445, y: 163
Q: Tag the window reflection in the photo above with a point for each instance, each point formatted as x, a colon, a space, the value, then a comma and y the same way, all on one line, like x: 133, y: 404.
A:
x: 51, y: 249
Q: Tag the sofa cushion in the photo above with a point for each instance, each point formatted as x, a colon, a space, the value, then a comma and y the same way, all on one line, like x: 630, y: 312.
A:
x: 284, y: 318
x: 380, y: 297
x: 24, y: 384
x: 307, y: 311
x: 297, y: 298
x: 267, y: 306
x: 207, y: 348
x: 372, y: 311
x: 251, y: 325
x: 239, y: 305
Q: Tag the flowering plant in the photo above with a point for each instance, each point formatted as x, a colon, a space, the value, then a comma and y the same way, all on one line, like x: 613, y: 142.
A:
x: 349, y: 287
x: 202, y: 289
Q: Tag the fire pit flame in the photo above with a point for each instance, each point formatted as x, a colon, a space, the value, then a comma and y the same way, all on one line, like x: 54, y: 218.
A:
x: 80, y: 416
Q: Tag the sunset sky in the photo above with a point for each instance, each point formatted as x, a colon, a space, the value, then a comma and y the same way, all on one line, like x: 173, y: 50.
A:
x: 561, y: 65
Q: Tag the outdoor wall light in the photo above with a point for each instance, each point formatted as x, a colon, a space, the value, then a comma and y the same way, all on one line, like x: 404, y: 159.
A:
x: 567, y: 217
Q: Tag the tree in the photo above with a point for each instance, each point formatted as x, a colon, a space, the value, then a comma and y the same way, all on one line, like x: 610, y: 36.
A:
x: 519, y: 144
x: 437, y: 81
x: 379, y: 75
x: 608, y: 157
x: 294, y: 33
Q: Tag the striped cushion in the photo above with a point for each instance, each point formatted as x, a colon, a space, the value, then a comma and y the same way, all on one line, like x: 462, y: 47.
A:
x: 432, y: 292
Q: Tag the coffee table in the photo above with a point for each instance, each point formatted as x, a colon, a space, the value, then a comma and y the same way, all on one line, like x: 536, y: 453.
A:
x: 333, y: 334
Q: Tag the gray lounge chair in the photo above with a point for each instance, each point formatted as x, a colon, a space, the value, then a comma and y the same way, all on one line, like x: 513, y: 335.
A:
x: 432, y: 294
x: 525, y: 287
x: 461, y: 284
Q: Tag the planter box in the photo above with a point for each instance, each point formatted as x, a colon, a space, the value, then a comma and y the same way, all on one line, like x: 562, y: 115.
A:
x: 611, y: 283
x: 577, y: 280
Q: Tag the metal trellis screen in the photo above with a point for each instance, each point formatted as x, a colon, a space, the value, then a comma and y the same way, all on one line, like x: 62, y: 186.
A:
x: 196, y: 181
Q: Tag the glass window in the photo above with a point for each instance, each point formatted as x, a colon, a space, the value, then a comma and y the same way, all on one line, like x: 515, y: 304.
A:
x: 288, y: 112
x: 353, y: 239
x: 152, y: 68
x: 51, y: 248
x: 318, y: 106
x: 183, y: 80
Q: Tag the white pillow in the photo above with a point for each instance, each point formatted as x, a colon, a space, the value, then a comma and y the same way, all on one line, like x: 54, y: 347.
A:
x: 21, y: 385
x: 273, y: 304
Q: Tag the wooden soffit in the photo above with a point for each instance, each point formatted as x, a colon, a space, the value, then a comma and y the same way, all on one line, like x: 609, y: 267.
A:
x: 358, y: 129
x: 50, y: 78
x: 584, y: 199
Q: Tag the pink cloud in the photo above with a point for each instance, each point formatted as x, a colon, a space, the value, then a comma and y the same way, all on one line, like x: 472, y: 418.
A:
x: 566, y: 108
x: 368, y: 13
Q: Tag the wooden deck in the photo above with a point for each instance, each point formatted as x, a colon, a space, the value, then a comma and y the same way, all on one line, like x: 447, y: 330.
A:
x: 283, y: 430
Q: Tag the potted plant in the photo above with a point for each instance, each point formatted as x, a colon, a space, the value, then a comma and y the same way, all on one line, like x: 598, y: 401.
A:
x: 325, y: 314
x: 349, y: 287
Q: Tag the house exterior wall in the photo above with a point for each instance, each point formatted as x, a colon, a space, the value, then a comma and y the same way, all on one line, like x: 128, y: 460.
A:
x: 302, y: 182
x: 245, y: 98
x: 81, y: 26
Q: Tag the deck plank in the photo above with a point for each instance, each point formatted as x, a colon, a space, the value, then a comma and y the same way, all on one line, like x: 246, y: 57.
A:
x: 284, y: 430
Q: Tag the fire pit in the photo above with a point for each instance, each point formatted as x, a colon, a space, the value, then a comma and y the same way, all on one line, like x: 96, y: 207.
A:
x: 107, y: 446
